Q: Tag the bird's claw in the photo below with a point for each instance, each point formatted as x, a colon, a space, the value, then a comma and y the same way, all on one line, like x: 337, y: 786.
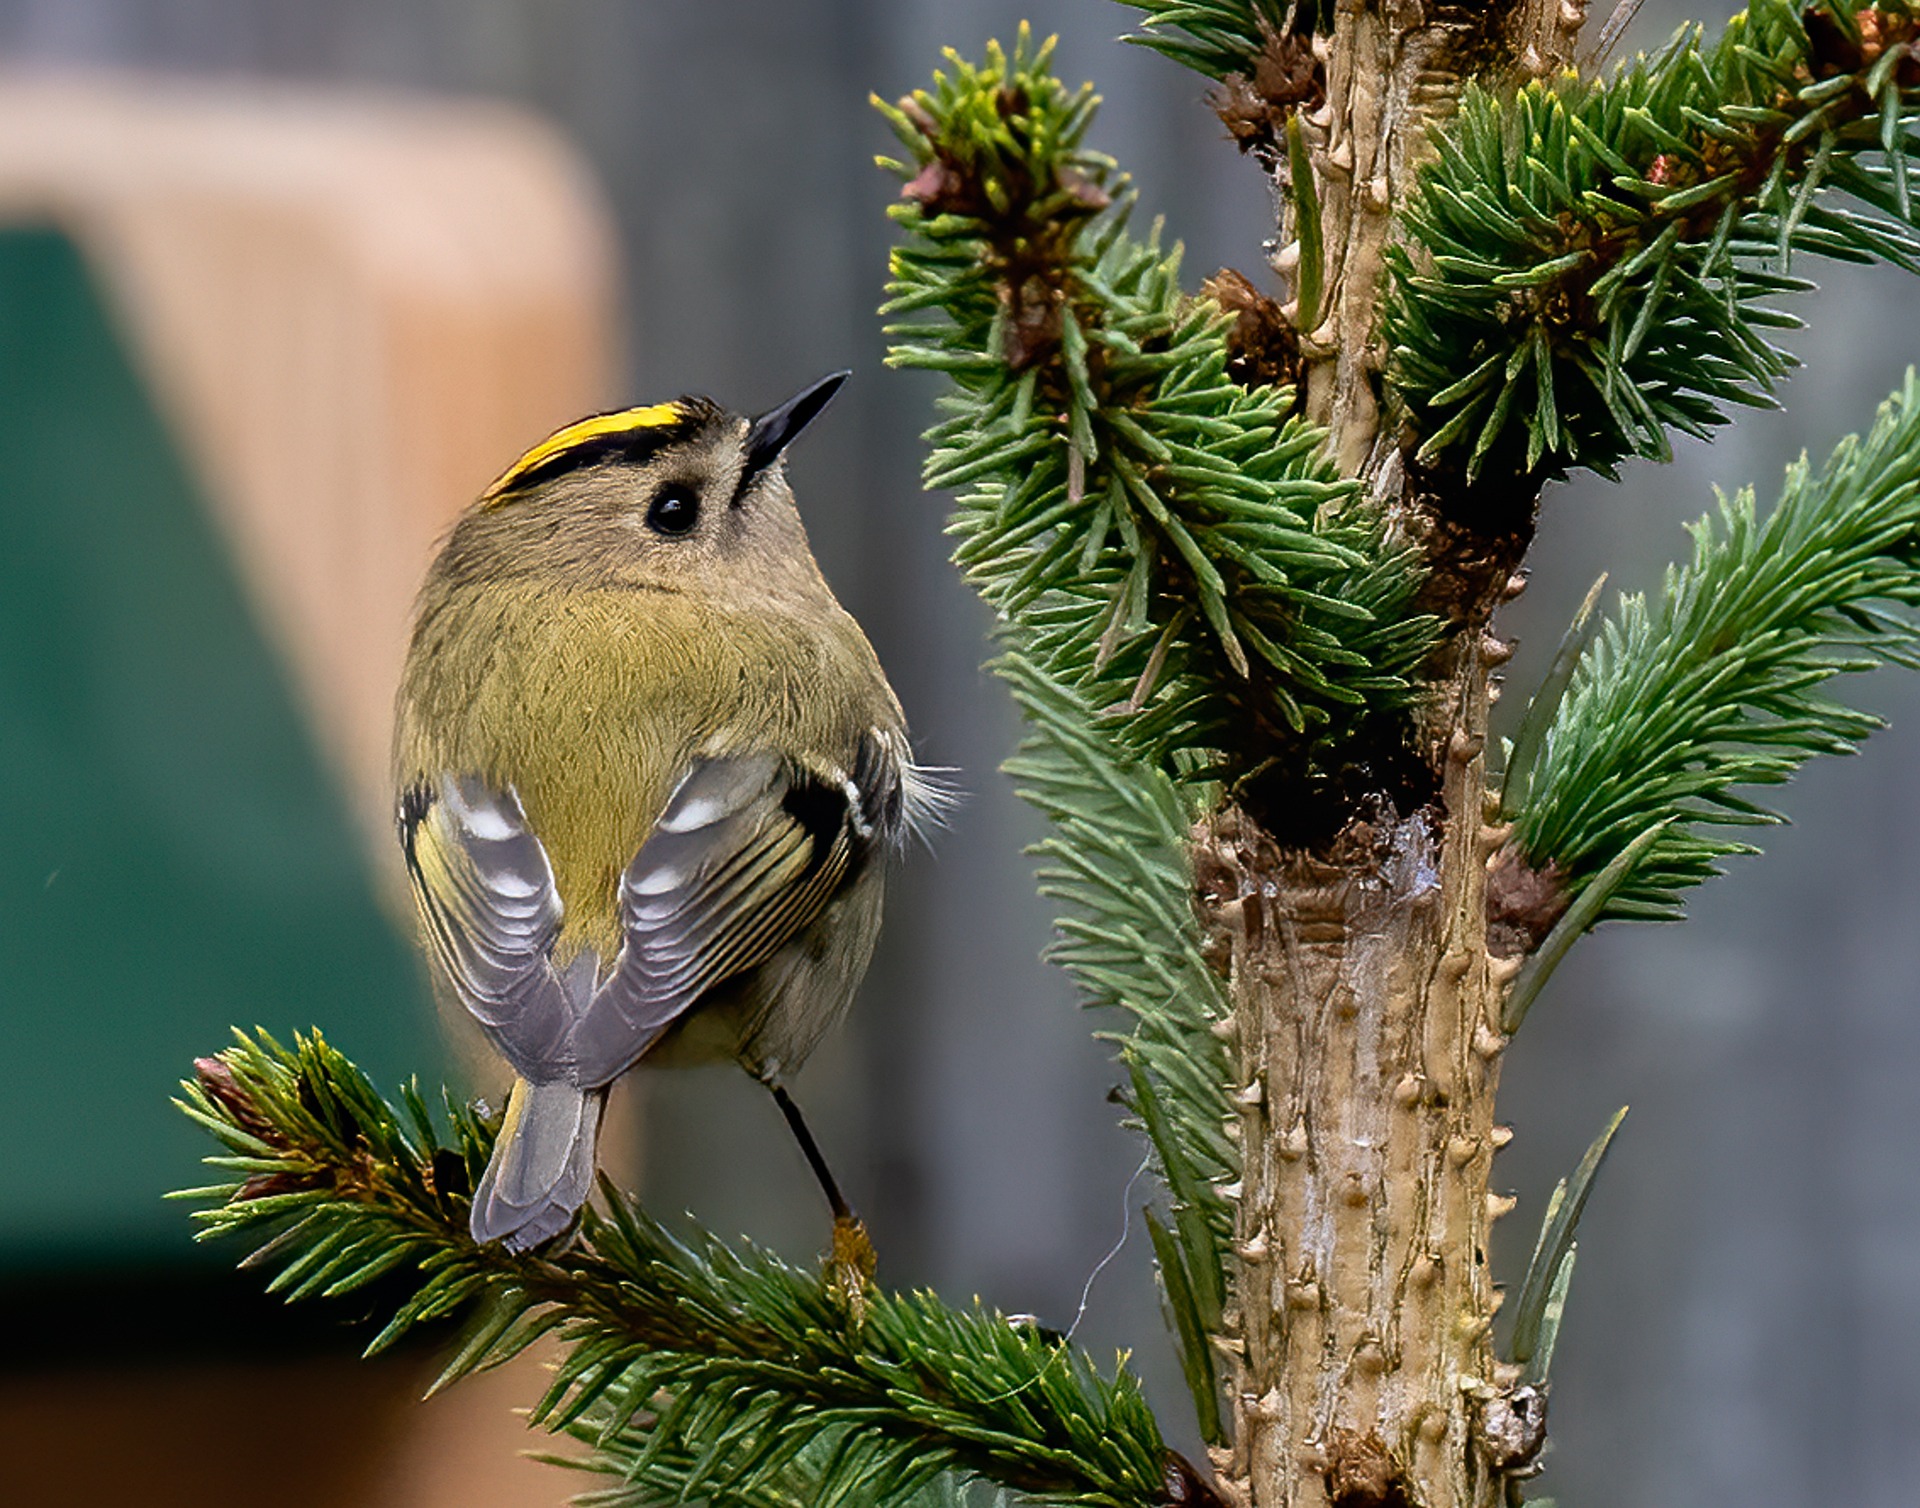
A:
x: 851, y: 1266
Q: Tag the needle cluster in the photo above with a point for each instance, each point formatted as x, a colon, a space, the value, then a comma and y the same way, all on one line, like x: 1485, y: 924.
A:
x: 1588, y: 262
x: 695, y: 1370
x: 1682, y: 706
x: 1172, y: 545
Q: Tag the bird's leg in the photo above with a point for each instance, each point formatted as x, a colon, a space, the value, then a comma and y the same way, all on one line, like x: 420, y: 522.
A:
x: 852, y: 1263
x: 797, y: 1123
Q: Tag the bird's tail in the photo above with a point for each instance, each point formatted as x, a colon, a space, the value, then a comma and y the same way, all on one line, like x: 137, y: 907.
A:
x: 542, y: 1167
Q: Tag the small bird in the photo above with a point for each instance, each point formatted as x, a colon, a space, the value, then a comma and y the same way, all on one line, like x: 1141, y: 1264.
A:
x: 649, y: 776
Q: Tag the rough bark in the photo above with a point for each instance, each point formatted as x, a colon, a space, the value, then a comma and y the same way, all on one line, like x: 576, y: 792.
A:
x: 1366, y: 1036
x: 1389, y: 69
x: 1366, y: 1005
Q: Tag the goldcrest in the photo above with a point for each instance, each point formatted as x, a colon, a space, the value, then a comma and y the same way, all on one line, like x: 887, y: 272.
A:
x: 650, y: 774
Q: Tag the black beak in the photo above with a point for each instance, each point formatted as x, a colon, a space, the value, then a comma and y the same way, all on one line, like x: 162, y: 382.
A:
x: 778, y: 428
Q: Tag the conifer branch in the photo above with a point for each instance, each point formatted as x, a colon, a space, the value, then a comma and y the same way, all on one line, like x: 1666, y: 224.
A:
x: 1189, y: 591
x: 1219, y: 38
x: 1587, y: 263
x: 696, y: 1370
x: 1115, y: 858
x: 1680, y: 707
x: 1182, y: 553
x: 1187, y: 588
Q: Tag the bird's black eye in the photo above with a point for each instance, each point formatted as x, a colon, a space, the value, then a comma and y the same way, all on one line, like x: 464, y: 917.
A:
x: 675, y: 509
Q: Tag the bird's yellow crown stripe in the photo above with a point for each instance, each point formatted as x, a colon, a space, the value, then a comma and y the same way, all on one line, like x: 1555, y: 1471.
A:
x: 585, y: 432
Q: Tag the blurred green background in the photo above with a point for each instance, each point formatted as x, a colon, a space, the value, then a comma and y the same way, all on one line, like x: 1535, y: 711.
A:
x: 177, y: 858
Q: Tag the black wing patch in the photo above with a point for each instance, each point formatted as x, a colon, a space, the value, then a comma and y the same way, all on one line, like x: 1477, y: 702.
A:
x: 745, y: 856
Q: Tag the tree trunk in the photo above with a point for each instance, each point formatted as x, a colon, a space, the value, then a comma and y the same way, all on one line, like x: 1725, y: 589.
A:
x: 1366, y: 1013
x: 1366, y: 1005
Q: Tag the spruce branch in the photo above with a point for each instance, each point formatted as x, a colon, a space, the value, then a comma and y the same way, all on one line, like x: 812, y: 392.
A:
x: 1679, y: 708
x: 1587, y: 262
x: 1184, y: 582
x: 1220, y: 38
x: 1115, y: 859
x: 1183, y: 554
x: 696, y: 1370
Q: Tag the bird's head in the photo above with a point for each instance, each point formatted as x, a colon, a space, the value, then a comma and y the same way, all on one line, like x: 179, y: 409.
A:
x: 683, y: 495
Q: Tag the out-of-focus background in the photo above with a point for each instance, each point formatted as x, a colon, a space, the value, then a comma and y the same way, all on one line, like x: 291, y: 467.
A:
x: 283, y: 284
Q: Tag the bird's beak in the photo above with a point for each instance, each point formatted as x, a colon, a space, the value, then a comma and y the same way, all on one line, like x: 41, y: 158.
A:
x: 776, y: 429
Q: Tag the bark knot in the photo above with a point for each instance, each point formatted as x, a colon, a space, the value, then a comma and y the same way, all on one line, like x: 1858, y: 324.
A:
x: 1361, y: 1473
x: 1511, y: 1428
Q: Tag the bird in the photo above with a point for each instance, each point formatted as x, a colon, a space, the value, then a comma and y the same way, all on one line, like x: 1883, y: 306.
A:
x: 650, y: 778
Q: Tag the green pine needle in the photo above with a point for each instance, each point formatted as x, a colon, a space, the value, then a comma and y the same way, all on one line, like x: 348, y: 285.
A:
x: 1536, y: 1318
x: 1587, y: 263
x: 1115, y: 859
x: 1680, y: 708
x: 696, y: 1370
x: 1217, y: 37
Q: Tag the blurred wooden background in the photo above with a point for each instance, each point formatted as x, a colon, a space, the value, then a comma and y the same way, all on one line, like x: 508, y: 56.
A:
x: 349, y: 313
x: 355, y: 309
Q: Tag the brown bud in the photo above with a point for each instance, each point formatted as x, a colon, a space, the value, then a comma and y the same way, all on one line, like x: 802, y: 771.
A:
x: 935, y: 188
x: 1262, y: 348
x: 1523, y: 903
x: 1185, y: 1487
x: 1254, y: 107
x: 216, y: 1080
x: 1084, y: 191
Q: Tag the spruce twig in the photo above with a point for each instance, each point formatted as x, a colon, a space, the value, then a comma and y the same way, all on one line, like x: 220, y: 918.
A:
x: 704, y: 1370
x: 1219, y: 38
x: 1116, y: 486
x: 1588, y: 261
x: 1682, y: 705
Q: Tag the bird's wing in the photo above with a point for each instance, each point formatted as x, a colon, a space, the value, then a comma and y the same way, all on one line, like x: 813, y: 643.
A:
x: 745, y: 856
x: 486, y: 894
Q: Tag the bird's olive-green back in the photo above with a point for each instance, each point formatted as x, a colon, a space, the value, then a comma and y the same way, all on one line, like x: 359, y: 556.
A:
x: 566, y: 650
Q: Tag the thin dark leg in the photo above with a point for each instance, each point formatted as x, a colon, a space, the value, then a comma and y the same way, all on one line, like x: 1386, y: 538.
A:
x: 835, y: 1202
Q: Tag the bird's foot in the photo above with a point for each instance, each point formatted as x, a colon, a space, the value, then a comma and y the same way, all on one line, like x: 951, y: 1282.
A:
x: 851, y: 1266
